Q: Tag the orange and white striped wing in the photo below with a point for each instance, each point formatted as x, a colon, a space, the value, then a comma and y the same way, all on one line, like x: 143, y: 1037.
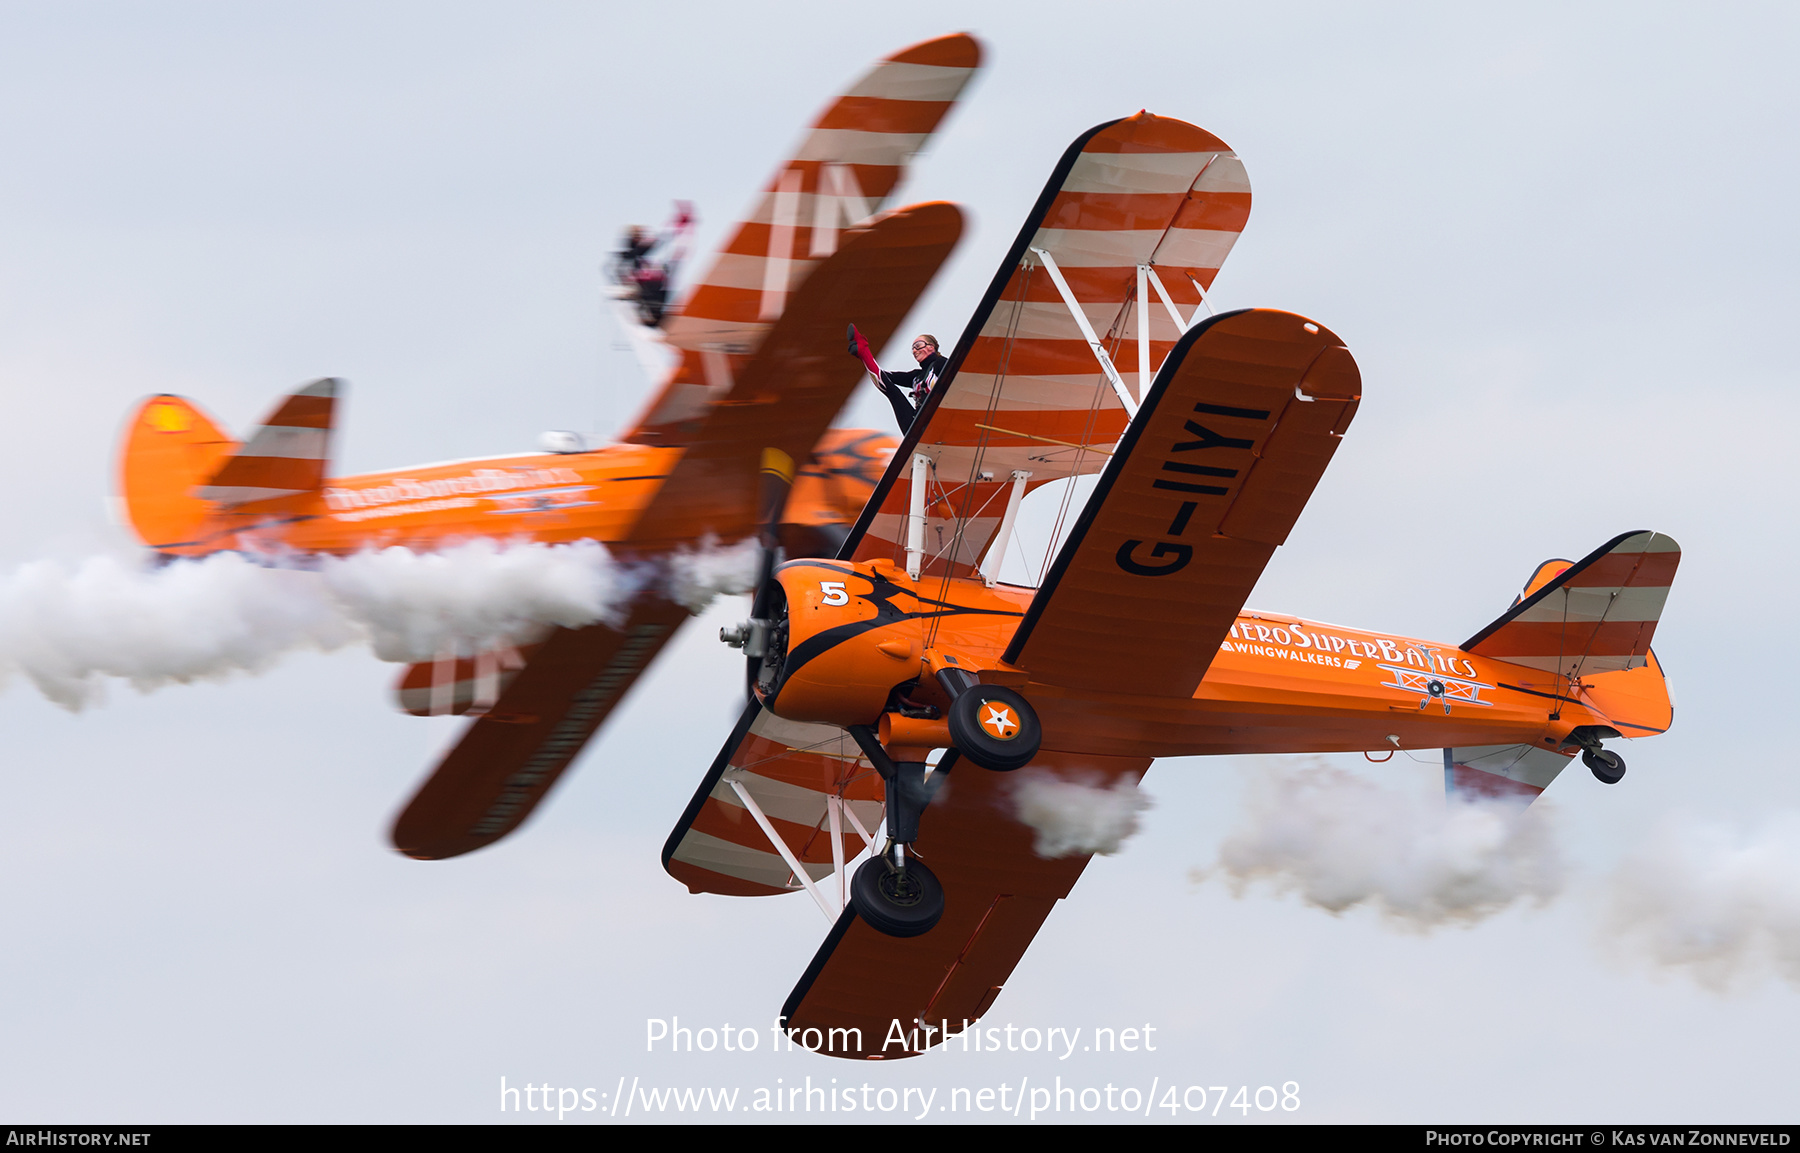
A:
x: 776, y: 776
x: 286, y: 457
x: 506, y: 761
x: 453, y: 685
x: 1597, y: 616
x: 1105, y: 276
x: 845, y: 170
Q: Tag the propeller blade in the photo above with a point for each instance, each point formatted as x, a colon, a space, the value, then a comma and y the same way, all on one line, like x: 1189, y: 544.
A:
x: 774, y: 482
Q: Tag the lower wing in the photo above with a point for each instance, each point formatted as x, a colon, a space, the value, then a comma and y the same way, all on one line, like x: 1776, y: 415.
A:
x: 510, y: 757
x: 782, y: 801
x: 864, y: 988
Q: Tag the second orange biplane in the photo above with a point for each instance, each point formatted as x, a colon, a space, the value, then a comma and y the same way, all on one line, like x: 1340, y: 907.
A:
x: 1136, y: 644
x: 760, y: 378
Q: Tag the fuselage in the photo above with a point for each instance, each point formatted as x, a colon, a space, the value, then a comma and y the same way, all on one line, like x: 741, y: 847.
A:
x: 1278, y: 684
x: 608, y: 494
x: 550, y: 498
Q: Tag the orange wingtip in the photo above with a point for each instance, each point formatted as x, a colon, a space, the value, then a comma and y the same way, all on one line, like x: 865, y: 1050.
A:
x: 1148, y: 132
x: 958, y: 50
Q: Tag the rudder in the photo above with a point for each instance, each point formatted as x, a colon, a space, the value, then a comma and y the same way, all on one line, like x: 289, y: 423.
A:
x: 170, y: 448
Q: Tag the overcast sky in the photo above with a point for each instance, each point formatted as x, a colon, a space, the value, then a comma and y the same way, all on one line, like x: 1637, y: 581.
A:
x: 1559, y: 241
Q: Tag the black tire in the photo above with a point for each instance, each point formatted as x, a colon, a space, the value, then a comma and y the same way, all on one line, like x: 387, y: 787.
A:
x: 1607, y: 766
x: 989, y: 749
x: 900, y: 906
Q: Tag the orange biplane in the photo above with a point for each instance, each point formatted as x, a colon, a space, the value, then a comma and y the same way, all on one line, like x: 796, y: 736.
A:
x: 1136, y: 644
x: 761, y: 375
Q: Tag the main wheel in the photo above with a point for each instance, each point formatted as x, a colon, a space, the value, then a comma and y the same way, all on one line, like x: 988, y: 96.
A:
x: 1607, y: 766
x: 898, y: 904
x: 995, y: 728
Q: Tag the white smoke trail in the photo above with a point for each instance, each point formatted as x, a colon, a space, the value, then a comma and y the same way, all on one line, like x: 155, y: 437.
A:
x: 696, y: 576
x: 1077, y: 814
x: 474, y: 595
x: 1719, y: 904
x: 69, y: 627
x: 1341, y: 841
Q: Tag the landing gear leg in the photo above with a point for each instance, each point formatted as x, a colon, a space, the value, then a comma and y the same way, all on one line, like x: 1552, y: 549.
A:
x: 892, y: 892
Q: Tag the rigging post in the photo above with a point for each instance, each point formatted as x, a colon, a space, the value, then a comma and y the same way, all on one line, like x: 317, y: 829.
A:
x: 915, y: 519
x: 1143, y: 329
x: 1004, y: 537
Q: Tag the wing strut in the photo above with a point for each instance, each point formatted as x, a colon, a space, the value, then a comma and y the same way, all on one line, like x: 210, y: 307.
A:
x: 915, y: 519
x: 1169, y: 304
x: 1087, y: 332
x: 1003, y: 538
x: 787, y: 854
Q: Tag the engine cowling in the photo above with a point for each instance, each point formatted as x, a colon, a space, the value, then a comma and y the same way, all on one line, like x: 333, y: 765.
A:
x: 845, y: 635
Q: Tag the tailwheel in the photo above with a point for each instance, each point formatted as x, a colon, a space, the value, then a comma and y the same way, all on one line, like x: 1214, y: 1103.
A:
x: 995, y: 727
x: 901, y: 900
x: 1607, y: 766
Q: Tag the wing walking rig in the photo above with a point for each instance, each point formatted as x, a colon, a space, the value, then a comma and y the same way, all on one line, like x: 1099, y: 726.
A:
x: 905, y: 663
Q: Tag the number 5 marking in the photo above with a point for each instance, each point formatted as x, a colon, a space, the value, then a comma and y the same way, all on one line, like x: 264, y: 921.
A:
x: 834, y: 592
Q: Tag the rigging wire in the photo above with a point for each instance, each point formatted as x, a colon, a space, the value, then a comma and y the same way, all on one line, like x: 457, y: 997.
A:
x: 995, y: 391
x: 1102, y: 390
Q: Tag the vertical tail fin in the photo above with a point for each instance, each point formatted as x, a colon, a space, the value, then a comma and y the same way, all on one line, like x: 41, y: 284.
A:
x: 170, y: 447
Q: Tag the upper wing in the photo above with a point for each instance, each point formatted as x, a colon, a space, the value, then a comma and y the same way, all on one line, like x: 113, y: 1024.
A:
x: 508, y: 758
x: 1133, y: 204
x: 785, y: 399
x: 1209, y: 479
x: 794, y: 774
x: 786, y: 396
x: 1596, y: 616
x: 997, y: 893
x: 844, y: 171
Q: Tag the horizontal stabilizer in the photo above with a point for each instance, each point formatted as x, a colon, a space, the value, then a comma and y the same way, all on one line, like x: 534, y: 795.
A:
x: 286, y: 457
x: 1501, y: 772
x: 1596, y: 616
